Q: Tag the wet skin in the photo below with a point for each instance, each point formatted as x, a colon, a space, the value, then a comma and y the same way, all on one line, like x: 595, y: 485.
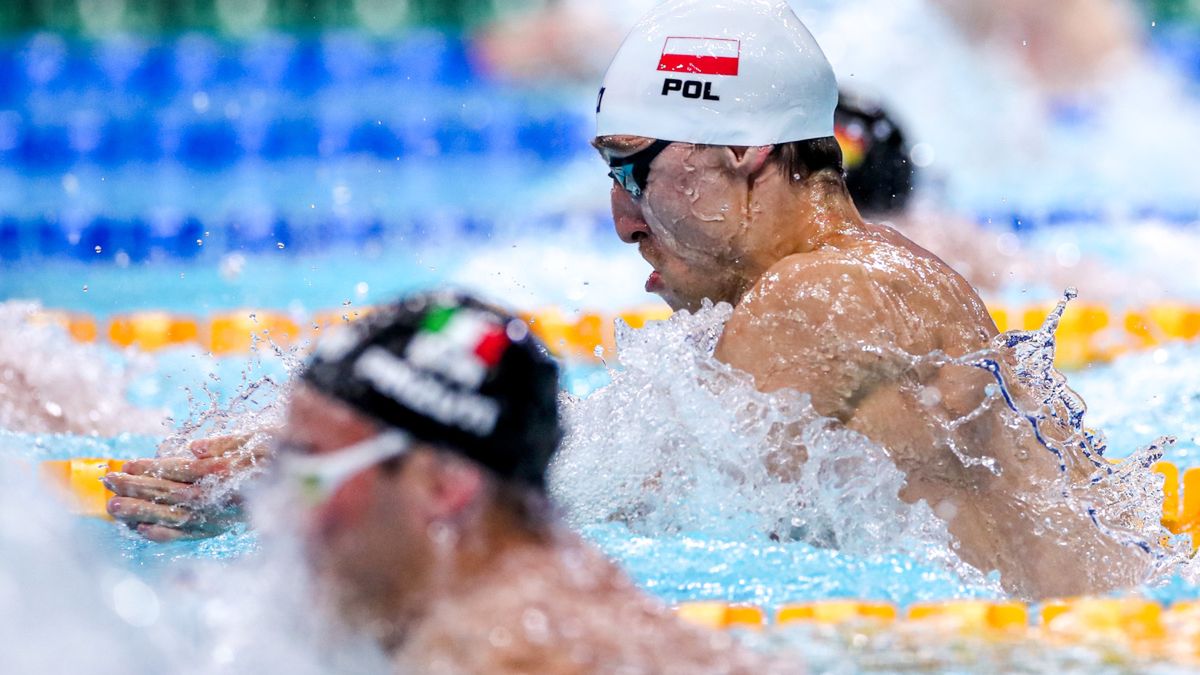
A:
x: 827, y: 304
x: 176, y: 498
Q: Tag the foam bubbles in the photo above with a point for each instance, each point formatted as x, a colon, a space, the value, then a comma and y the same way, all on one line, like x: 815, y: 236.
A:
x: 135, y: 602
x: 676, y: 443
x: 50, y: 383
x: 680, y: 443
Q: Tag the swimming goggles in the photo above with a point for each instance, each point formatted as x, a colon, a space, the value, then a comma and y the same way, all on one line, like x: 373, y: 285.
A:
x: 633, y: 172
x: 318, y: 477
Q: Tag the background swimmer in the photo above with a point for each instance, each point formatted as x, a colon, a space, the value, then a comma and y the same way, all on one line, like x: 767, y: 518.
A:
x: 745, y: 203
x: 881, y: 179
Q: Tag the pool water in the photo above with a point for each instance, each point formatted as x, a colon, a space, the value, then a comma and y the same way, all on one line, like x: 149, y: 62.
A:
x: 1134, y: 400
x: 150, y: 593
x: 195, y: 175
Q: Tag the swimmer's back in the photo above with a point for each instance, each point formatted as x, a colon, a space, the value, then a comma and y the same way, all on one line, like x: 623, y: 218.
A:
x: 837, y: 321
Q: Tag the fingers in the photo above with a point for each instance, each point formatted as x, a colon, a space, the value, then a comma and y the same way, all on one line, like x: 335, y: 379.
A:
x: 179, y: 469
x: 217, y: 447
x: 139, y: 511
x: 165, y: 535
x: 151, y: 489
x: 227, y: 445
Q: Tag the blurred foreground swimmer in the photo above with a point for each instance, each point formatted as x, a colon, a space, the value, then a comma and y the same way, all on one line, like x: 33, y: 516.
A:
x: 416, y: 447
x: 729, y: 180
x: 420, y: 438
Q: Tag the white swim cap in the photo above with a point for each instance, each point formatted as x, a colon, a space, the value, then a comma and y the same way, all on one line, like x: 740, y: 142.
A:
x: 719, y: 72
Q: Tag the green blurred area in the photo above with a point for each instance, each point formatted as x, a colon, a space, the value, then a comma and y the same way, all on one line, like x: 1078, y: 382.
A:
x: 379, y: 16
x: 1173, y: 11
x: 244, y: 16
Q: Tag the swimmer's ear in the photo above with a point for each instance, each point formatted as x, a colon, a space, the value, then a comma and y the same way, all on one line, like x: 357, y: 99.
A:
x: 457, y: 484
x: 747, y: 162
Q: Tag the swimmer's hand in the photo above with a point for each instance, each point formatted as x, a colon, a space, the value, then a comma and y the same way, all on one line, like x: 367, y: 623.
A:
x: 171, y: 498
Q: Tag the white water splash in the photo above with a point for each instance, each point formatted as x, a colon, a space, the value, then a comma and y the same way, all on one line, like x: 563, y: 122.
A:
x: 676, y: 443
x: 49, y: 383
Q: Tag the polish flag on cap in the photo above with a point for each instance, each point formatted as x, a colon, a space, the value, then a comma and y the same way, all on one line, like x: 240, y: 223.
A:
x: 701, y: 56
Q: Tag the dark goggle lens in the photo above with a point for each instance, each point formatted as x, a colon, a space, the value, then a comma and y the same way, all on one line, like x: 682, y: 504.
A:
x: 633, y: 172
x: 624, y: 177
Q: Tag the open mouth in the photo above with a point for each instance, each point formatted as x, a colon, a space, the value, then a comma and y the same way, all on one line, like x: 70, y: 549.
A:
x: 654, y: 282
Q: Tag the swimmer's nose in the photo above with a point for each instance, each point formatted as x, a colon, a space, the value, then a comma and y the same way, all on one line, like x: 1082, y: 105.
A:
x: 631, y: 227
x: 632, y: 230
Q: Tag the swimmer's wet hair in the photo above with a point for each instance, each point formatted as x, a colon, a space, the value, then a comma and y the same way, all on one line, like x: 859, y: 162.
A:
x: 801, y: 160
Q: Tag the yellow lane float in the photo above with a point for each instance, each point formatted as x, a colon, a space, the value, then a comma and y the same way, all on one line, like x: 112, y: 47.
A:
x: 80, y: 478
x: 78, y: 482
x: 836, y: 612
x: 1134, y: 625
x: 1139, y: 626
x: 1087, y: 333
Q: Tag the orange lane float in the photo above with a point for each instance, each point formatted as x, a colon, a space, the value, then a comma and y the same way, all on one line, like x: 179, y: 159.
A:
x: 1181, y: 500
x: 78, y: 482
x: 720, y: 615
x: 972, y: 615
x: 1140, y: 626
x: 1180, y: 515
x: 1087, y: 333
x: 836, y: 612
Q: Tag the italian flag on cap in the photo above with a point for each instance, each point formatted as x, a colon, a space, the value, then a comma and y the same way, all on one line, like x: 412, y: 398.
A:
x: 468, y: 330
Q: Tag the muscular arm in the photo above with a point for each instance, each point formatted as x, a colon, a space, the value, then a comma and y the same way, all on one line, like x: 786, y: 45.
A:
x: 843, y: 332
x: 822, y: 326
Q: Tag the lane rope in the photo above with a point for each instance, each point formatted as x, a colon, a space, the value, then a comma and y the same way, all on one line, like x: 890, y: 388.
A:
x: 1087, y: 334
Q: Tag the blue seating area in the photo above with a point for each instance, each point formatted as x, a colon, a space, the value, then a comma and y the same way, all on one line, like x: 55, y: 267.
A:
x: 208, y: 103
x: 158, y: 69
x: 207, y: 143
x: 198, y: 107
x: 103, y: 239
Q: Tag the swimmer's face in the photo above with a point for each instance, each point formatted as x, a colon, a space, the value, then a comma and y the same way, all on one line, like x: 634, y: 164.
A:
x: 373, y: 524
x: 688, y: 223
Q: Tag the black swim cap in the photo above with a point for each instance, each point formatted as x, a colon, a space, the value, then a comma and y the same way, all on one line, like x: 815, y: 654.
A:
x: 453, y: 372
x: 879, y: 172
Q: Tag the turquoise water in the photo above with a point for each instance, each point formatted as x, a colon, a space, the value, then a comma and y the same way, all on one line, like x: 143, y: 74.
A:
x: 992, y: 145
x: 1134, y: 400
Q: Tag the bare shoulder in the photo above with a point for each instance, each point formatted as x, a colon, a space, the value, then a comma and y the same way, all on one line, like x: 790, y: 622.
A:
x: 830, y: 288
x: 878, y: 290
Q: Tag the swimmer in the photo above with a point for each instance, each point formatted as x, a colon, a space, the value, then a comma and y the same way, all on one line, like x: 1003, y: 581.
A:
x: 728, y: 179
x: 419, y: 440
x: 1067, y: 46
x: 881, y: 178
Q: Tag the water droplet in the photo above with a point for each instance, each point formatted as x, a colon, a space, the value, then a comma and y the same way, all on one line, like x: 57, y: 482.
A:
x: 922, y: 155
x: 135, y: 602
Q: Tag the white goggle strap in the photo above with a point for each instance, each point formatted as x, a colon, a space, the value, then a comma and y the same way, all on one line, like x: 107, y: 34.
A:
x: 322, y: 474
